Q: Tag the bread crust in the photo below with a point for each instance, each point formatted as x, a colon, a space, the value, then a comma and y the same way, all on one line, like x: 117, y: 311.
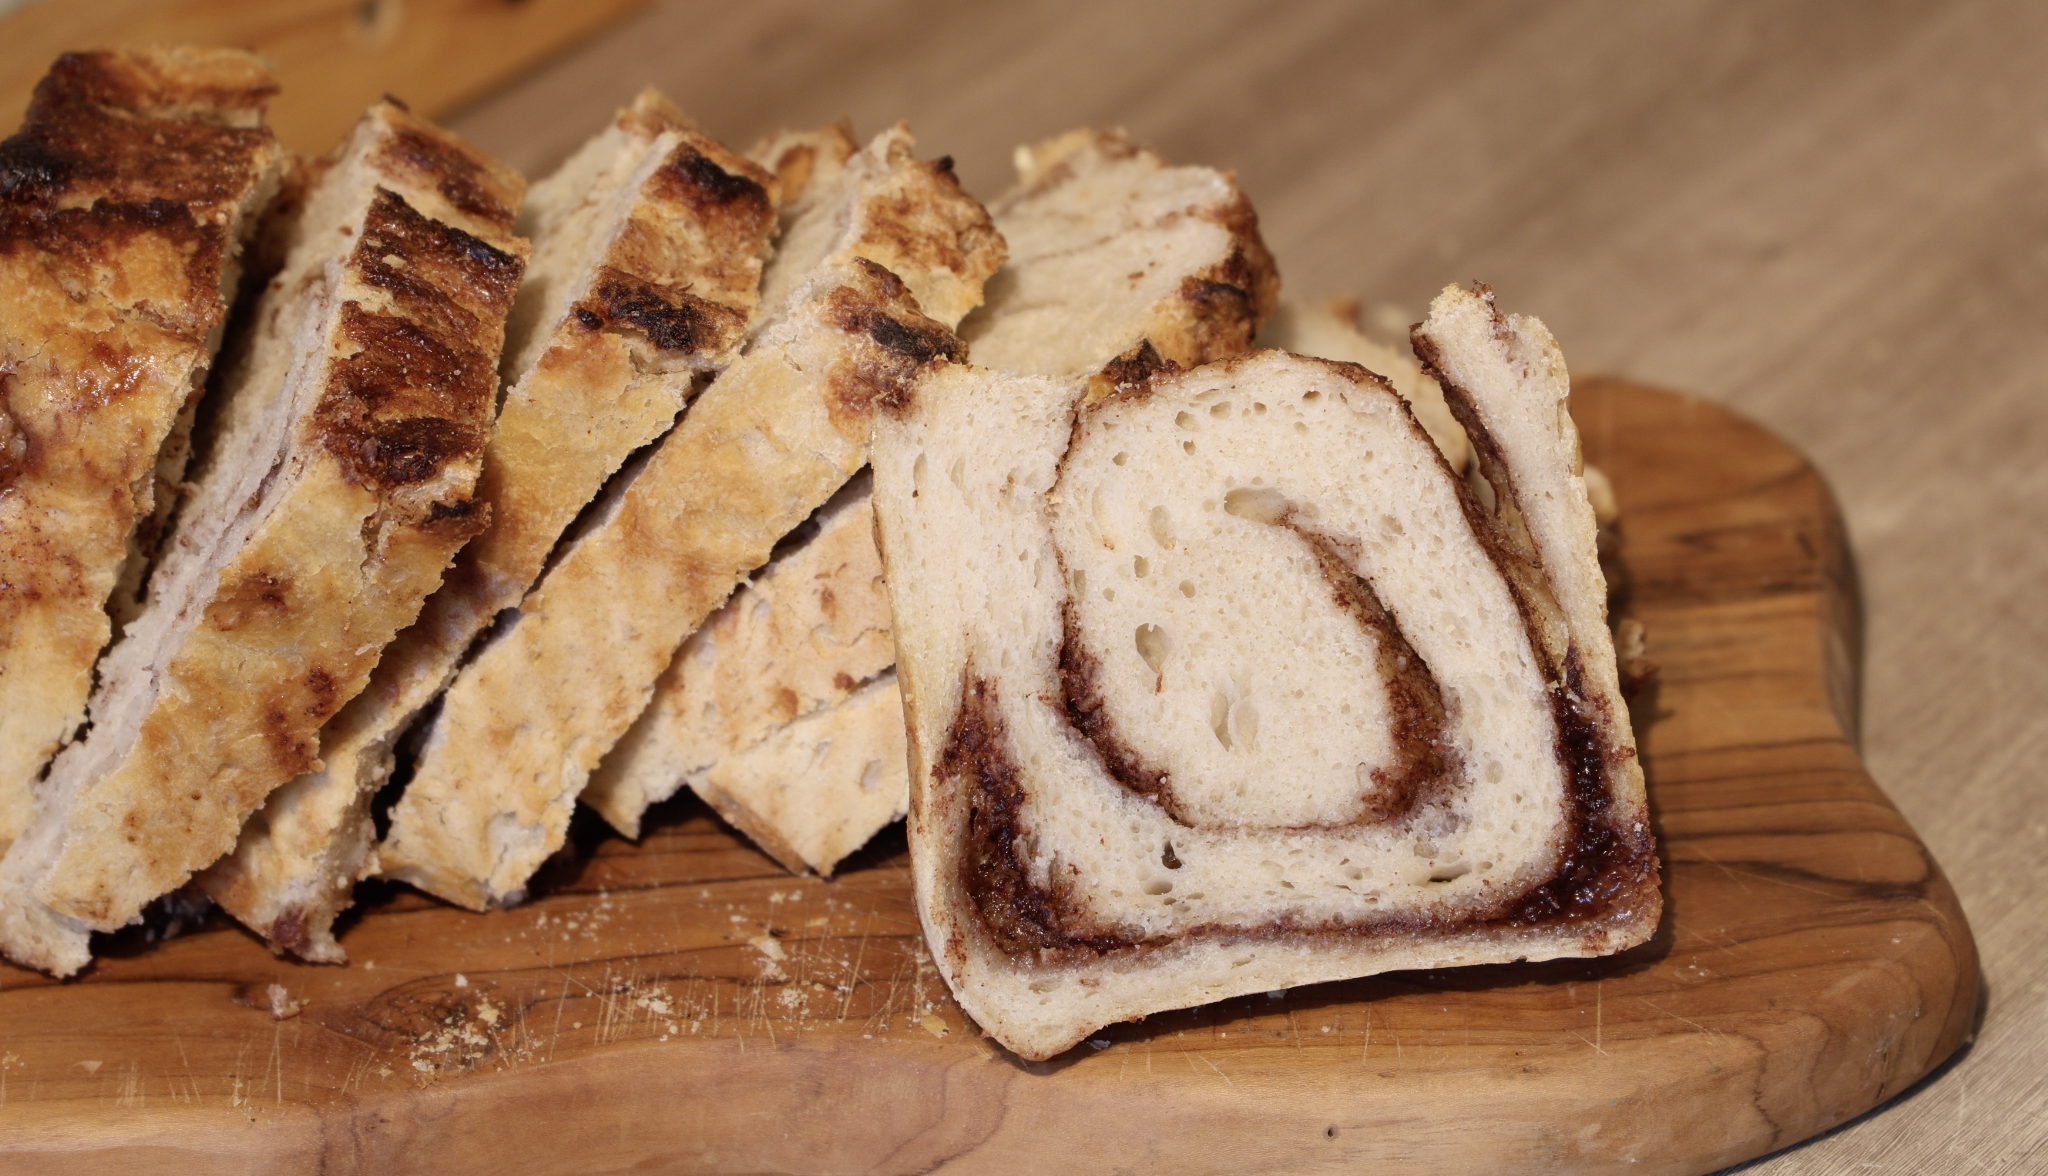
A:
x: 272, y: 610
x: 125, y: 199
x: 668, y: 297
x: 768, y: 442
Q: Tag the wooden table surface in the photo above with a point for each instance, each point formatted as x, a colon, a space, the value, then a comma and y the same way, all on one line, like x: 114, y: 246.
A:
x: 1831, y: 217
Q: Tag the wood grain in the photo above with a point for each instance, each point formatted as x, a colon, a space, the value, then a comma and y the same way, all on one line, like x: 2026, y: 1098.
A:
x: 683, y: 1005
x: 333, y: 57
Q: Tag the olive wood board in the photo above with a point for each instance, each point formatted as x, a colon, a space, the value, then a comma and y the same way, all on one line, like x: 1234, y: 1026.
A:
x: 683, y: 1005
x: 332, y: 57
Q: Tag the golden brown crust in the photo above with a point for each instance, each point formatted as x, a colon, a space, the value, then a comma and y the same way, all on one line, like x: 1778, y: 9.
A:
x: 903, y: 344
x: 797, y: 157
x: 779, y: 432
x: 122, y: 201
x: 135, y: 128
x: 695, y: 246
x: 370, y: 498
x: 671, y: 295
x: 384, y: 424
x: 924, y: 226
x: 472, y: 183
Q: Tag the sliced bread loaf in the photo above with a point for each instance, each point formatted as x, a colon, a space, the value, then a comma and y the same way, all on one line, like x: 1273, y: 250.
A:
x: 1086, y: 203
x: 125, y: 201
x: 771, y: 440
x: 648, y: 246
x: 336, y: 492
x: 1223, y: 682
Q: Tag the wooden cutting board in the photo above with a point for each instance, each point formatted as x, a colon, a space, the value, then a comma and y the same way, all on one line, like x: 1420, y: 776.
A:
x: 682, y: 1005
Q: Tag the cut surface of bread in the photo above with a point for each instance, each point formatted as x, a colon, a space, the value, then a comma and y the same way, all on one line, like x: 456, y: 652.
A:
x: 1086, y: 203
x: 333, y: 497
x: 1313, y: 330
x: 808, y: 635
x: 1223, y: 682
x: 771, y: 440
x: 646, y: 267
x: 125, y: 201
x: 1105, y: 235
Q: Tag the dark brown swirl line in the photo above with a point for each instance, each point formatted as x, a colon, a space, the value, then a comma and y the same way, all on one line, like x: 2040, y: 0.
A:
x: 1598, y: 861
x: 1425, y: 766
x: 1021, y: 917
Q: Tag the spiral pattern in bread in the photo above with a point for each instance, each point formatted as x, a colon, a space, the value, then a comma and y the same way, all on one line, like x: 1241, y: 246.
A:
x: 1220, y: 681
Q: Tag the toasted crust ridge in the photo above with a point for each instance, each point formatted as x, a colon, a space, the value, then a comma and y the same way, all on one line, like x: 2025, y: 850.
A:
x: 125, y: 200
x: 338, y: 489
x: 842, y: 336
x: 647, y: 262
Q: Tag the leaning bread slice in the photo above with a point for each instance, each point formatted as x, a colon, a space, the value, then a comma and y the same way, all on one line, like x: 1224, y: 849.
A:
x: 647, y: 259
x: 1223, y: 683
x: 328, y: 508
x: 1305, y: 329
x: 771, y: 440
x: 1109, y: 245
x: 808, y: 635
x: 125, y: 202
x: 1086, y: 204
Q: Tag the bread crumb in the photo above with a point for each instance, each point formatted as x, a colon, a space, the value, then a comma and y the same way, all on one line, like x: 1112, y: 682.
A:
x: 282, y: 1004
x: 933, y: 1025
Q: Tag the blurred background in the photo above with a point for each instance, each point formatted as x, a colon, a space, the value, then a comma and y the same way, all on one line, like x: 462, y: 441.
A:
x: 1832, y: 217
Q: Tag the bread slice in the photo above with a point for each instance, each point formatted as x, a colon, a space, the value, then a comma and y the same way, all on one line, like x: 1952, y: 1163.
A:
x: 648, y: 246
x: 1087, y: 202
x: 125, y: 202
x: 1223, y: 682
x: 331, y: 502
x: 771, y: 440
x: 1109, y: 244
x: 1324, y: 333
x: 805, y: 638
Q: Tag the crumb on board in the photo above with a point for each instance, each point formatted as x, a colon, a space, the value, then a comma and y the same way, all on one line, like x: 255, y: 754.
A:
x: 281, y: 1004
